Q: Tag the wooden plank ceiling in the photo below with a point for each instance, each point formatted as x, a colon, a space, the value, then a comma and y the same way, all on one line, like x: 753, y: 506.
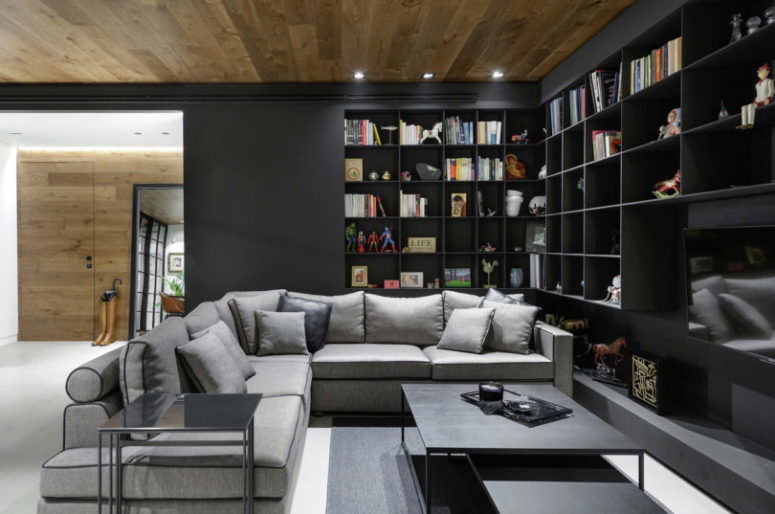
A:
x: 100, y: 41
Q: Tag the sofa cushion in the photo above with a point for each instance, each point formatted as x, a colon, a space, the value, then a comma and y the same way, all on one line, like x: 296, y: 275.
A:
x: 316, y: 318
x: 205, y: 315
x: 173, y: 472
x: 493, y: 295
x: 280, y: 332
x: 467, y: 330
x: 746, y: 319
x: 347, y: 316
x: 758, y: 291
x: 713, y: 283
x: 148, y: 364
x: 94, y: 379
x: 452, y: 365
x: 296, y: 357
x: 453, y: 300
x: 224, y: 310
x: 512, y: 326
x: 243, y: 309
x: 370, y: 361
x: 210, y: 366
x: 280, y: 378
x: 418, y: 321
x: 706, y: 310
x: 222, y: 332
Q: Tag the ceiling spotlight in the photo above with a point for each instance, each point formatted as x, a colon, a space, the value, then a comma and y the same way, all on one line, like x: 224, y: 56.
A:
x: 428, y: 75
x: 14, y: 133
x: 497, y: 74
x: 359, y: 75
x: 165, y: 133
x: 138, y: 133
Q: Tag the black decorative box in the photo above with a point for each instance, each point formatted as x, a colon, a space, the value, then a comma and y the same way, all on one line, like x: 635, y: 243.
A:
x: 646, y: 381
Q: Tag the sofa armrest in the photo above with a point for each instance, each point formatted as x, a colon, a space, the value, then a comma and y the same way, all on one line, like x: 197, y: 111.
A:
x: 699, y: 331
x: 557, y: 345
x: 82, y: 419
x: 94, y: 379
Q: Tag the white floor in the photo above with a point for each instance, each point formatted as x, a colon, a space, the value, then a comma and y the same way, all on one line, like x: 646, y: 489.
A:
x: 32, y: 397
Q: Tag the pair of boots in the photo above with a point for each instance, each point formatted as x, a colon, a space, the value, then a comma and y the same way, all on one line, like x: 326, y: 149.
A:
x: 107, y: 334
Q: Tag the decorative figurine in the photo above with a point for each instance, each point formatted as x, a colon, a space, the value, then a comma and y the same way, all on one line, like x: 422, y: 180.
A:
x: 390, y: 129
x: 765, y: 89
x: 487, y: 248
x: 537, y: 205
x: 615, y: 244
x: 668, y: 188
x: 458, y: 206
x: 614, y: 349
x: 542, y: 172
x: 737, y: 21
x: 350, y: 234
x: 488, y: 268
x: 580, y: 184
x: 373, y: 242
x: 373, y: 175
x: 673, y: 127
x: 386, y: 175
x: 769, y: 15
x: 406, y: 176
x: 614, y: 291
x: 558, y: 287
x: 752, y: 25
x: 723, y: 112
x: 361, y: 241
x: 520, y: 139
x: 514, y: 168
x: 434, y: 133
x: 387, y: 239
x: 480, y: 203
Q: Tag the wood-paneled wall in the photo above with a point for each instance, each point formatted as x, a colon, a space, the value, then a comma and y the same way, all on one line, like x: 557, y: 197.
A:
x: 73, y: 204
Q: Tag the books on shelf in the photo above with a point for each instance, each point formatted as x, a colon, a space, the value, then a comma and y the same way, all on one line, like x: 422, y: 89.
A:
x: 458, y: 132
x: 489, y: 132
x: 413, y: 206
x: 606, y: 90
x: 461, y: 168
x: 606, y: 143
x: 489, y: 168
x: 577, y: 99
x: 363, y: 206
x: 555, y: 115
x: 410, y: 134
x: 657, y: 65
x: 361, y: 132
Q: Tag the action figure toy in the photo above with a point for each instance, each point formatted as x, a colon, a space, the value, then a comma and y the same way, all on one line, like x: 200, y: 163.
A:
x: 737, y: 21
x: 765, y: 90
x: 520, y: 139
x: 387, y: 239
x: 361, y: 242
x: 373, y: 242
x: 673, y: 127
x: 350, y: 234
x: 668, y: 188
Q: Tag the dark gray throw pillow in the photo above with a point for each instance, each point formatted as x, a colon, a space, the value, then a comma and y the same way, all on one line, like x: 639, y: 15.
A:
x: 210, y: 367
x: 316, y: 318
x: 512, y: 326
x: 746, y: 319
x: 222, y: 332
x: 467, y: 330
x: 243, y: 310
x: 281, y: 333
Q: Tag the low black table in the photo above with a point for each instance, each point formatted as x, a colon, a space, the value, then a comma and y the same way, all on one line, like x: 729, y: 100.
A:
x: 448, y: 425
x: 157, y: 413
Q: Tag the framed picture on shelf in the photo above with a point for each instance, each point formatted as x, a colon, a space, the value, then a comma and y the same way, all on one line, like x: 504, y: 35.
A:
x: 457, y: 277
x: 412, y: 279
x: 646, y: 381
x: 458, y: 203
x: 421, y: 245
x: 353, y: 170
x: 359, y: 276
x: 175, y: 262
x: 535, y: 237
x: 392, y: 284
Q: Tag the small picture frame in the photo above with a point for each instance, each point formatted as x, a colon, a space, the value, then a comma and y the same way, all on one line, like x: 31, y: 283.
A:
x: 176, y: 262
x: 359, y: 276
x: 412, y: 279
x: 392, y: 284
x: 421, y: 245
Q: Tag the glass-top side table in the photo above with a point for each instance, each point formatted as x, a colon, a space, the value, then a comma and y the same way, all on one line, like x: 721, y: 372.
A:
x: 158, y: 413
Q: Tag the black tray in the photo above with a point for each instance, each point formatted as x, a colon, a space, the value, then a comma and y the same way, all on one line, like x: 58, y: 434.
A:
x: 543, y: 412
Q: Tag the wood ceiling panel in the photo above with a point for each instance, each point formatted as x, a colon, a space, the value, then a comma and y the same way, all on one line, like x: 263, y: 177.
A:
x: 169, y: 41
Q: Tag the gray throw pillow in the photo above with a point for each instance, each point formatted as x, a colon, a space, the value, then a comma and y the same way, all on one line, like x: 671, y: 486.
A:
x: 493, y: 295
x: 222, y: 332
x: 467, y: 330
x: 316, y: 318
x: 243, y: 309
x: 418, y: 321
x: 747, y: 320
x: 346, y: 324
x: 706, y: 310
x: 454, y: 300
x: 281, y: 333
x: 512, y: 326
x: 210, y: 367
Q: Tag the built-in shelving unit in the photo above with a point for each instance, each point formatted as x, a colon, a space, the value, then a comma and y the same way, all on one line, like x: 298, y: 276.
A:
x: 458, y: 239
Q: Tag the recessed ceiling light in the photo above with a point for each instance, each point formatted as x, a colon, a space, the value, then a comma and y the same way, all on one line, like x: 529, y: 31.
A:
x: 165, y: 133
x: 428, y: 75
x: 359, y: 75
x: 138, y: 133
x: 14, y: 133
x: 497, y: 74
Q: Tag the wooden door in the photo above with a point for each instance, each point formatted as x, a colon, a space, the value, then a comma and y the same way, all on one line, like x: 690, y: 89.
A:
x: 56, y: 240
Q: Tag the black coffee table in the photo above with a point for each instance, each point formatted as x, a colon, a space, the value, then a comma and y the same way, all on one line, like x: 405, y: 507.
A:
x: 448, y: 425
x: 157, y: 413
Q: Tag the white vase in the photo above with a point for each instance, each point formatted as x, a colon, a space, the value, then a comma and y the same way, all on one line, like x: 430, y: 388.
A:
x: 513, y: 203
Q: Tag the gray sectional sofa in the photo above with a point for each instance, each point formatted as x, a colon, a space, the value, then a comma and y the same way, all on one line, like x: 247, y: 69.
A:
x: 373, y: 345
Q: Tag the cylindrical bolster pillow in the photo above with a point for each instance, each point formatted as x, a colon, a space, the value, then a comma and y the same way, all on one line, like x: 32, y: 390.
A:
x: 94, y: 379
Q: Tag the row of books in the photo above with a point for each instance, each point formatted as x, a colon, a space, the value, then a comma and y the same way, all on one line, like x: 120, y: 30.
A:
x: 606, y: 143
x: 361, y: 132
x: 606, y: 88
x: 555, y: 115
x: 458, y: 132
x: 363, y: 206
x: 577, y: 99
x: 489, y: 132
x: 489, y: 169
x: 409, y: 134
x: 461, y: 168
x: 659, y: 64
x: 413, y: 206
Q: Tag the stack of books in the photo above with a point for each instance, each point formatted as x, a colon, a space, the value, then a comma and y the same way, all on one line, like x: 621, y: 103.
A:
x: 458, y: 132
x: 461, y: 168
x: 489, y: 169
x: 555, y: 115
x: 361, y: 132
x: 577, y: 98
x: 659, y: 64
x: 413, y: 206
x: 606, y: 143
x: 410, y: 134
x: 489, y: 132
x: 363, y: 206
x: 606, y: 88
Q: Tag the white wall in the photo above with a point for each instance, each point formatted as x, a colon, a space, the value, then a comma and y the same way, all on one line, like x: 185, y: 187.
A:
x: 175, y: 244
x: 9, y: 300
